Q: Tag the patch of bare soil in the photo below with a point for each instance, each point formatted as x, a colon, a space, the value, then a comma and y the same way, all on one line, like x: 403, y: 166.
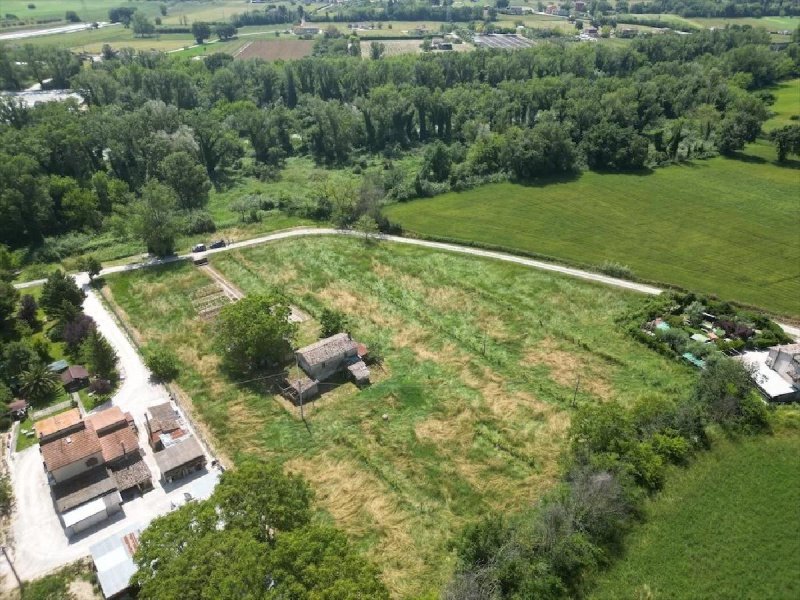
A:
x: 80, y: 589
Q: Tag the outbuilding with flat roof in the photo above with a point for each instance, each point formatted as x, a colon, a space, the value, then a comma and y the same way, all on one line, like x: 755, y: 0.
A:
x: 181, y: 458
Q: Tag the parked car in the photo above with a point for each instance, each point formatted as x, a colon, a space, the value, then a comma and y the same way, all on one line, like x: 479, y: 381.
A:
x: 200, y: 248
x: 217, y: 244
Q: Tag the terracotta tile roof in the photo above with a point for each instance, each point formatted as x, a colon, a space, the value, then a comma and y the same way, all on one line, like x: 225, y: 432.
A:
x: 70, y: 448
x: 117, y: 443
x: 74, y: 372
x: 131, y: 473
x: 334, y: 347
x: 56, y: 423
x: 107, y: 419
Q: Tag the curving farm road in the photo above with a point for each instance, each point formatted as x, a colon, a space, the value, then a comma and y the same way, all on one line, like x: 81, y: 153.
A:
x: 309, y: 231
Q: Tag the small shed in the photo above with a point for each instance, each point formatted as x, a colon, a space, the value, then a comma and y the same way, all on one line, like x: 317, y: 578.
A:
x: 301, y: 389
x: 359, y: 372
x: 697, y: 362
x: 18, y: 409
x: 58, y: 366
x: 91, y: 513
x: 180, y: 459
x: 75, y: 378
x: 113, y: 561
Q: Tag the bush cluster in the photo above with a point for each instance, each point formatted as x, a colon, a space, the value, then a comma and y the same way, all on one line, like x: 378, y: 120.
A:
x: 616, y: 457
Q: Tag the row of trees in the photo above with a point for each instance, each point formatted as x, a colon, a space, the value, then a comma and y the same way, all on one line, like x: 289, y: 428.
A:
x: 617, y: 456
x: 159, y: 132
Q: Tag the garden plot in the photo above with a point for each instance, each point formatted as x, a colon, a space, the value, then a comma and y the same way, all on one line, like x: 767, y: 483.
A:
x: 502, y: 41
x: 209, y: 300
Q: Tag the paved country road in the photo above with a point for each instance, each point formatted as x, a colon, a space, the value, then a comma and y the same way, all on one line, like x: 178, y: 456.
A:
x: 308, y: 231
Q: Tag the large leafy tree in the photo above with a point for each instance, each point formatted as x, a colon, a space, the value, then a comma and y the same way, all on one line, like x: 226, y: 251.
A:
x: 187, y: 178
x: 318, y: 563
x: 259, y: 498
x: 251, y: 540
x: 219, y: 565
x: 17, y: 358
x: 8, y: 300
x: 254, y: 333
x: 59, y: 289
x: 154, y: 219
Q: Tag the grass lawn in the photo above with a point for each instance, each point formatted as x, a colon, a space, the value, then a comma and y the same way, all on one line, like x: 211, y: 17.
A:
x: 727, y: 527
x: 468, y: 430
x: 787, y: 105
x: 721, y: 226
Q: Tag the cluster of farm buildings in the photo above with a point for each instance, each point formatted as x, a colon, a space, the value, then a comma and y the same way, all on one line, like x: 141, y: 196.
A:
x: 94, y: 462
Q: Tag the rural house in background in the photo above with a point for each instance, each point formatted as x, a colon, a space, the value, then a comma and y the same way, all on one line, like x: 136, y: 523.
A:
x: 324, y: 359
x: 776, y: 372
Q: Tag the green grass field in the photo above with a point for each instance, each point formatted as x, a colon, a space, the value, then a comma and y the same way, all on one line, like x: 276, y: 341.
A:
x: 787, y: 105
x: 467, y: 431
x: 769, y: 23
x: 726, y: 527
x: 721, y: 226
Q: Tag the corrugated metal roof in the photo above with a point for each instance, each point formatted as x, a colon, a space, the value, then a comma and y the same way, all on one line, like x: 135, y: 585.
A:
x: 113, y: 559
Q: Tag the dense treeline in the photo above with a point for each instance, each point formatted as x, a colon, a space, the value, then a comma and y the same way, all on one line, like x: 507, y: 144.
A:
x: 714, y: 8
x: 405, y: 11
x: 617, y: 456
x: 158, y: 132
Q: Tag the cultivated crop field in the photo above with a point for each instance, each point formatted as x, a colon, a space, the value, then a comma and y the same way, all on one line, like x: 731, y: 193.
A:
x: 278, y: 49
x: 720, y: 226
x: 728, y: 523
x: 481, y: 365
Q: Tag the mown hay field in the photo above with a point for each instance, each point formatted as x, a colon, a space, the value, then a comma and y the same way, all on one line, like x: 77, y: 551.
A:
x: 726, y: 527
x: 482, y: 360
x: 721, y: 226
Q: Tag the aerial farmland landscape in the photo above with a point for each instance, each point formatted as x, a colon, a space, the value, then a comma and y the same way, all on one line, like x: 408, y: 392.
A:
x: 399, y: 300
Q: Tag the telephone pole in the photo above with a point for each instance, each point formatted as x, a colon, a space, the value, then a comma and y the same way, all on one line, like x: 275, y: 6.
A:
x: 13, y: 570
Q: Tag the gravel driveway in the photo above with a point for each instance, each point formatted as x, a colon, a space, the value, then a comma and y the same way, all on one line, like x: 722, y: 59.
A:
x: 40, y: 544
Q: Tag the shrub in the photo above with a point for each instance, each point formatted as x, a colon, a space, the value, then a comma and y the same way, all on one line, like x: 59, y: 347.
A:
x: 100, y: 386
x: 6, y: 495
x: 162, y: 363
x: 198, y: 221
x: 332, y: 322
x: 614, y: 269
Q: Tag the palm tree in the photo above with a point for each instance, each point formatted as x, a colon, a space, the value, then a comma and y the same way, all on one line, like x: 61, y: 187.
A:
x: 38, y: 382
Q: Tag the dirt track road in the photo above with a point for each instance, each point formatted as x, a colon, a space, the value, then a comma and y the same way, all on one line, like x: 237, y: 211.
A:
x: 642, y: 288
